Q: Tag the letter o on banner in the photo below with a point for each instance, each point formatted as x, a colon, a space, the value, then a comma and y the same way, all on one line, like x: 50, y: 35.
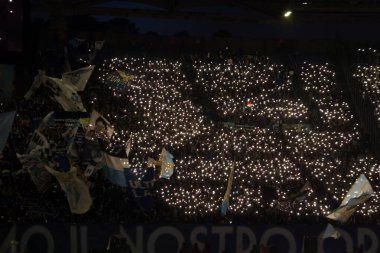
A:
x: 280, y: 231
x: 343, y: 234
x: 161, y: 231
x: 365, y: 232
x: 37, y: 230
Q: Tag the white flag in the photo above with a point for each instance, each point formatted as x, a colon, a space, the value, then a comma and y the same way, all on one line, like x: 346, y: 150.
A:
x: 77, y: 191
x: 128, y: 146
x: 78, y: 78
x: 65, y: 95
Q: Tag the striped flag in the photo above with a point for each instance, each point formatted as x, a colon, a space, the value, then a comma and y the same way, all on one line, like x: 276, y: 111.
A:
x: 115, y: 160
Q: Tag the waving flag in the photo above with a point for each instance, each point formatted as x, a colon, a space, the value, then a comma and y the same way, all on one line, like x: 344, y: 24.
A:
x: 39, y: 154
x: 64, y: 92
x: 76, y: 190
x: 33, y: 163
x: 167, y: 164
x: 38, y: 140
x: 128, y: 146
x: 330, y: 232
x: 359, y: 193
x: 69, y: 136
x: 301, y: 194
x: 47, y: 121
x: 6, y: 122
x: 125, y: 77
x: 65, y: 95
x: 78, y: 78
x: 38, y: 80
x: 115, y: 160
x: 226, y: 199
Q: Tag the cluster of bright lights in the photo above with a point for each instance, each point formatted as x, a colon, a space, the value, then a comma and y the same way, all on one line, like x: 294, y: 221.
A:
x: 369, y: 77
x: 369, y: 50
x: 230, y: 86
x: 320, y: 83
x: 161, y: 113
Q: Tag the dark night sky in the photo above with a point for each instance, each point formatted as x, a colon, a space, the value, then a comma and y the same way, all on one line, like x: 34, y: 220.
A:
x: 11, y: 18
x: 281, y: 30
x: 204, y: 28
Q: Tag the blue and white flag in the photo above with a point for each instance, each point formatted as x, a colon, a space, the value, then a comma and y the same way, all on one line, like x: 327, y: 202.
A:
x: 359, y: 193
x: 115, y: 161
x: 167, y: 164
x: 330, y: 232
x: 6, y: 122
x: 78, y: 78
x: 114, y: 169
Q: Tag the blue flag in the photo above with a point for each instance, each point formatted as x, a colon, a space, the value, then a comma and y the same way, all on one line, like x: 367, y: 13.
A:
x: 115, y: 176
x: 6, y: 121
x: 224, y: 207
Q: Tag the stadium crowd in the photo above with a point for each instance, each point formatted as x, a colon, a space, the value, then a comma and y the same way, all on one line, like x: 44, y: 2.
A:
x: 369, y: 78
x: 212, y: 115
